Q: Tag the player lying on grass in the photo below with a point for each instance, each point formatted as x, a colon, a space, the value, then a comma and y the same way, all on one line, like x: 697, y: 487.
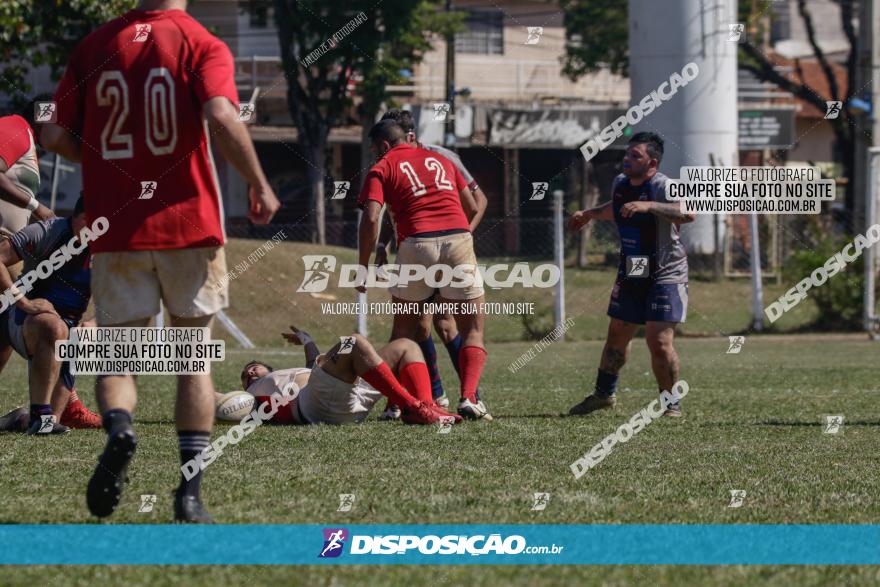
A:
x: 651, y: 286
x: 444, y: 324
x: 342, y: 386
x: 432, y: 208
x: 43, y: 316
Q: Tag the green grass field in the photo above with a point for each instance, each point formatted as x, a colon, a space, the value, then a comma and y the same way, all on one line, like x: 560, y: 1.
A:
x: 752, y: 422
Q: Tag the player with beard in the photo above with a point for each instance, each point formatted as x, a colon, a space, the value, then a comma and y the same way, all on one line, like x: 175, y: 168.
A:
x: 652, y: 279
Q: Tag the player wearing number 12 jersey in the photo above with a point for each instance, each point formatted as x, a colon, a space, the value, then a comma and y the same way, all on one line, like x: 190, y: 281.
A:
x: 432, y: 208
x: 132, y: 106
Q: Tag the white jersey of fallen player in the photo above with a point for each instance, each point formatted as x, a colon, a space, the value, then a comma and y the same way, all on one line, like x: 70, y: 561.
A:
x: 322, y: 398
x: 274, y: 382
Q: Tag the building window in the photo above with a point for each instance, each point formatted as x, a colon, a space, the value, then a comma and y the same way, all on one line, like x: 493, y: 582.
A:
x: 484, y: 34
x: 259, y: 16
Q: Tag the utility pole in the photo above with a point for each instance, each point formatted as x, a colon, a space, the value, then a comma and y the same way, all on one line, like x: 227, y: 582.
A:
x: 449, y: 134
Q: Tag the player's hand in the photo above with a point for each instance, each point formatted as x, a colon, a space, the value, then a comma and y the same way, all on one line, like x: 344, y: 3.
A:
x: 579, y: 220
x: 43, y: 213
x: 297, y: 336
x: 36, y: 306
x: 362, y: 279
x: 381, y: 255
x: 264, y: 204
x: 635, y: 208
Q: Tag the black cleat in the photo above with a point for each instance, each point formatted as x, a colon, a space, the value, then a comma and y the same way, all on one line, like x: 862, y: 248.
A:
x: 14, y: 421
x: 46, y: 425
x: 188, y: 509
x: 105, y: 486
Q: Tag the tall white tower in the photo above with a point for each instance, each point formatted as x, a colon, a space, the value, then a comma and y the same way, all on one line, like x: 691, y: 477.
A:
x: 699, y: 124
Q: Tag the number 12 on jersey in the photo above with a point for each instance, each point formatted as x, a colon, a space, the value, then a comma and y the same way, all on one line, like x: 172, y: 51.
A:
x: 431, y: 164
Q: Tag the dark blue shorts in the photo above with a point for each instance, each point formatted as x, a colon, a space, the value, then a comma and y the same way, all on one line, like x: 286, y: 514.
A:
x: 12, y: 334
x: 638, y: 302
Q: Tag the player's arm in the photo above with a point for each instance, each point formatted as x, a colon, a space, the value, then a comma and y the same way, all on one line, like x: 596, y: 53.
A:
x: 58, y: 139
x: 234, y: 143
x: 482, y: 202
x: 386, y: 237
x: 671, y: 212
x: 301, y: 337
x: 9, y: 192
x: 368, y: 231
x: 468, y: 204
x: 8, y: 257
x: 581, y: 218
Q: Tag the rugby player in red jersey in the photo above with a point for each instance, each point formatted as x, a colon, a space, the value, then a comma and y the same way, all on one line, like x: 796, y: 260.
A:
x: 432, y: 208
x: 132, y: 107
x: 443, y: 323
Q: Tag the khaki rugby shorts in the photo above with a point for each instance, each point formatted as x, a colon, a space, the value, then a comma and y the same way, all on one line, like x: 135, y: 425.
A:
x: 128, y: 285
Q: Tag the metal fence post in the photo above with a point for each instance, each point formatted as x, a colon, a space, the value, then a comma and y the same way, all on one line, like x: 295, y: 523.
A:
x: 559, y: 253
x: 868, y: 301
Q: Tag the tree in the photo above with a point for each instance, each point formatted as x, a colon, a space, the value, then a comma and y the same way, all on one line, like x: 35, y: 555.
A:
x: 34, y: 33
x: 325, y: 45
x: 597, y: 36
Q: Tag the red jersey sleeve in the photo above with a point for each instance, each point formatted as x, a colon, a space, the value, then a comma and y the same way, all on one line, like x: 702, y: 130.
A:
x: 214, y: 72
x: 372, y: 189
x: 460, y: 182
x: 70, y: 98
x: 14, y: 139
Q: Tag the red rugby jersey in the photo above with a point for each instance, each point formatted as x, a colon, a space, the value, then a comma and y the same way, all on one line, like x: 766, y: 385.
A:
x: 133, y: 94
x: 421, y: 189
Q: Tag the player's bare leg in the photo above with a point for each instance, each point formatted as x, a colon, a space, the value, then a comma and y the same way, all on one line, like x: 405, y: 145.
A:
x: 194, y: 419
x: 664, y: 359
x: 117, y: 398
x: 360, y: 359
x: 408, y: 364
x: 408, y: 326
x: 614, y: 356
x: 41, y: 331
x: 472, y: 357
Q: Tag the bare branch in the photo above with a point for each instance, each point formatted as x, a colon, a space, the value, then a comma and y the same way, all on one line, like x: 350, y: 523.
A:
x: 820, y: 55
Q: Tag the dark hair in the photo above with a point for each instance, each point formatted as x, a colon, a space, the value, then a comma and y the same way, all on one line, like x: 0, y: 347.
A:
x: 387, y: 130
x: 80, y: 206
x: 251, y: 364
x: 652, y: 141
x: 403, y: 117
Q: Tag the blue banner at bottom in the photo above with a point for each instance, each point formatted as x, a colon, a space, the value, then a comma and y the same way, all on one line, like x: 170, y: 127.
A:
x: 441, y: 544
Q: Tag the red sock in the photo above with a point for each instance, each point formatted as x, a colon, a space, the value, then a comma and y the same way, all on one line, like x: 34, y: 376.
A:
x: 383, y: 380
x: 471, y: 361
x: 417, y: 381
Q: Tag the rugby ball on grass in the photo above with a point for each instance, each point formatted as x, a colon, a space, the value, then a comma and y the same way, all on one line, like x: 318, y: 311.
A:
x: 235, y: 405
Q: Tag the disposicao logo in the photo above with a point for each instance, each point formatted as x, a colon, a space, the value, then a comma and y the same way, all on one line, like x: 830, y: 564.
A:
x: 334, y: 542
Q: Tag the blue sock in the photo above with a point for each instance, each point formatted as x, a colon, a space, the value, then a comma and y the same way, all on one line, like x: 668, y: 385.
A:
x: 453, y: 347
x: 38, y: 410
x: 430, y: 353
x: 606, y: 383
